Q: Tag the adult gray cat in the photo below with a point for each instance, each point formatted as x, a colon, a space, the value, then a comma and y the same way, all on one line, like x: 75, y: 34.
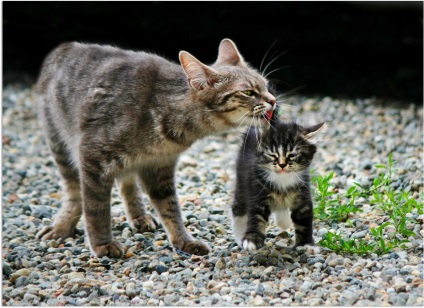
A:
x: 111, y: 114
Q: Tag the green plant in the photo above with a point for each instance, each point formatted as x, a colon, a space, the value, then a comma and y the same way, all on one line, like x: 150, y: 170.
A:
x: 322, y: 195
x: 397, y: 204
x: 335, y: 242
x: 335, y: 208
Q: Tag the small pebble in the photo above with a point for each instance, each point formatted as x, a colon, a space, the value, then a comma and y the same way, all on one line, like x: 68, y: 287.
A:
x: 361, y: 133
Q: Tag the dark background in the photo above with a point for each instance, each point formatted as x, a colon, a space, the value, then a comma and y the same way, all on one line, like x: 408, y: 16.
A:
x: 341, y: 49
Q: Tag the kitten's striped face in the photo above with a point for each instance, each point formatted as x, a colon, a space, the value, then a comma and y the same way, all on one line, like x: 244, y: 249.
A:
x: 285, y: 158
x: 287, y: 148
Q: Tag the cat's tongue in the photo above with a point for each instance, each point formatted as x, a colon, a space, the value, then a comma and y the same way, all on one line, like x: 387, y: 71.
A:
x: 268, y: 114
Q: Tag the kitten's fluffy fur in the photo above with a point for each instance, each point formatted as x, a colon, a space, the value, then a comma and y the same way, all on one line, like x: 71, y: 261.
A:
x: 117, y: 115
x: 273, y: 177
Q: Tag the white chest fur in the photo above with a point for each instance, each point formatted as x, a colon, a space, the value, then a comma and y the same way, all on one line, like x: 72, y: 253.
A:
x: 281, y: 203
x: 284, y: 180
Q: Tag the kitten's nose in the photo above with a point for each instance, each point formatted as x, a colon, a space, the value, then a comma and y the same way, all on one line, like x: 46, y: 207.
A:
x: 282, y: 165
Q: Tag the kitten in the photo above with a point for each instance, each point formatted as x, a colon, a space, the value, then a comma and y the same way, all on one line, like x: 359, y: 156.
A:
x: 273, y: 177
x: 116, y: 115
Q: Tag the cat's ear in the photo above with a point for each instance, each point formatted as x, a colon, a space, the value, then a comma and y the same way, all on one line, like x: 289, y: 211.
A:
x: 312, y: 131
x: 228, y: 54
x: 199, y: 75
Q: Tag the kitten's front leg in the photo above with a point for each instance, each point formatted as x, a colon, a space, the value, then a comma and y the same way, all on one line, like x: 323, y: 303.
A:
x: 96, y: 189
x: 254, y: 237
x: 158, y: 182
x: 302, y: 217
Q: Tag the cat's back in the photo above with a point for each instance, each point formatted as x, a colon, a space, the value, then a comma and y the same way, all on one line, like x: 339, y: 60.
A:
x: 81, y: 65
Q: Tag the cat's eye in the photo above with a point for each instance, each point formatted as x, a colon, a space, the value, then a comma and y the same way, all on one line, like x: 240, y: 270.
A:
x: 248, y: 92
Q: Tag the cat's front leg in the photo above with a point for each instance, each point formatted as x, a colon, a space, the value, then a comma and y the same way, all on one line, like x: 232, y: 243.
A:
x: 158, y: 182
x: 96, y: 190
x: 135, y: 210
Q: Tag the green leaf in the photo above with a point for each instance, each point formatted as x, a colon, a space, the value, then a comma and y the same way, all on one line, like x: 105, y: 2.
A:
x: 408, y: 233
x: 351, y: 190
x: 357, y: 184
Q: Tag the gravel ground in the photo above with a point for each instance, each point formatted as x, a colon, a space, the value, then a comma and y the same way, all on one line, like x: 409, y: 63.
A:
x: 359, y: 134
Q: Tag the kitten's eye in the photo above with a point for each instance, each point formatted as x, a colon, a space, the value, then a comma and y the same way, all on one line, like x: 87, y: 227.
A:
x: 272, y: 156
x: 291, y: 156
x: 248, y: 92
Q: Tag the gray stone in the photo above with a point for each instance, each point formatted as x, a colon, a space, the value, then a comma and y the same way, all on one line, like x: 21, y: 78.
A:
x: 306, y: 286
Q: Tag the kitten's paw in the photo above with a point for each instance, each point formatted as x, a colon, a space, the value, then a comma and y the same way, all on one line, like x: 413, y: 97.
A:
x: 312, y: 249
x: 112, y: 249
x: 252, y: 241
x: 196, y: 248
x: 55, y: 232
x: 144, y: 223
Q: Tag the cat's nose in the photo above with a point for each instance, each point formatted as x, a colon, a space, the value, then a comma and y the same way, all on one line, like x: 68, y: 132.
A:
x: 271, y: 99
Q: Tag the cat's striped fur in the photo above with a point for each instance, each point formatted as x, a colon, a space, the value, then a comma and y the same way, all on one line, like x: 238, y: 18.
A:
x: 116, y: 115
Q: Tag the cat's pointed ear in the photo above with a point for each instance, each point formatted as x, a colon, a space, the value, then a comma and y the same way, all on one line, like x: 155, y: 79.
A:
x: 312, y: 131
x: 228, y: 54
x: 199, y: 75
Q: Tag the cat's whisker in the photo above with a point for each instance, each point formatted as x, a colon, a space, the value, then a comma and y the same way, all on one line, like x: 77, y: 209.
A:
x: 241, y: 123
x: 211, y: 110
x: 273, y: 60
x: 259, y: 131
x: 245, y: 139
x: 242, y: 116
x: 266, y: 54
x: 289, y: 92
x: 277, y: 69
x: 288, y: 106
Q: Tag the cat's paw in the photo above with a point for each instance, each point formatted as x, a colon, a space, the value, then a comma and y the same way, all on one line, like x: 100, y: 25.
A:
x: 312, y: 249
x: 252, y: 241
x: 112, y: 249
x: 55, y: 232
x: 144, y: 223
x: 196, y: 248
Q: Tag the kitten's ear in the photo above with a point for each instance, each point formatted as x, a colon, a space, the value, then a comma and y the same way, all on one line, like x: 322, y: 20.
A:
x: 228, y: 54
x: 313, y: 131
x: 199, y: 75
